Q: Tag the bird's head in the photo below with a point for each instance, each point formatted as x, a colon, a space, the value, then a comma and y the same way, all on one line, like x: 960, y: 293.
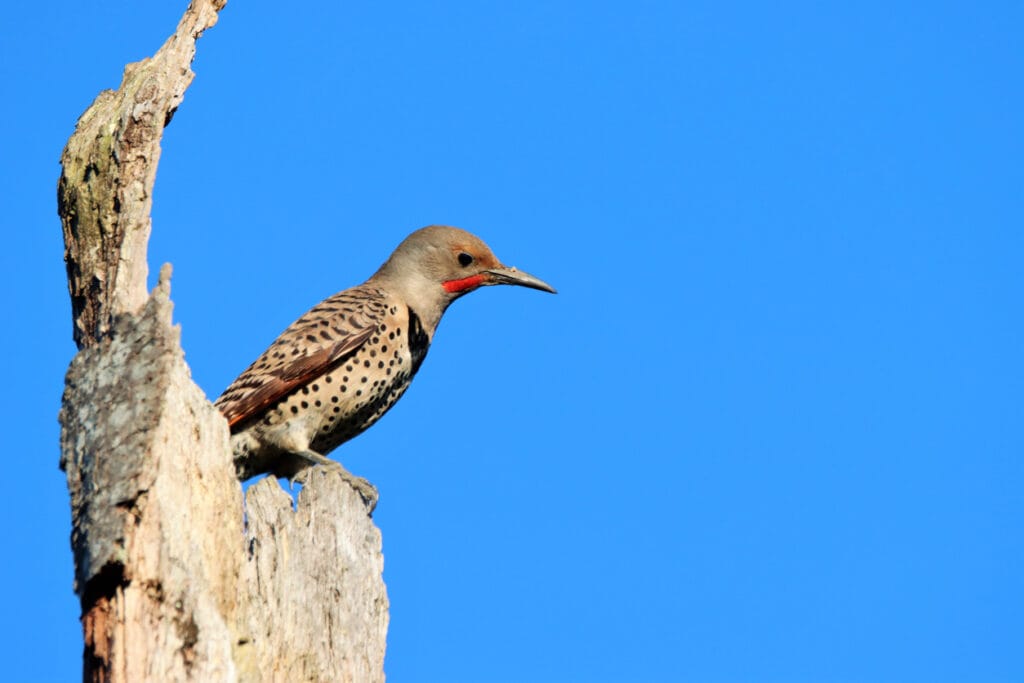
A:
x: 436, y: 265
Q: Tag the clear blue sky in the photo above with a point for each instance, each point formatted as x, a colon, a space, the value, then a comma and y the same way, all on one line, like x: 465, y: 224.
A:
x: 769, y: 430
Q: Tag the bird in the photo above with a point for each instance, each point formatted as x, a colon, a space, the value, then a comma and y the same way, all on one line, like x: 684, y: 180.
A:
x: 344, y: 363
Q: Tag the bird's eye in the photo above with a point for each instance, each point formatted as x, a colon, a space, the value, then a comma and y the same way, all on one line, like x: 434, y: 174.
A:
x: 465, y: 259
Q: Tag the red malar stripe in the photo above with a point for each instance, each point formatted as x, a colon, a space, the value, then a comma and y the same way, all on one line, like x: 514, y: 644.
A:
x: 463, y: 284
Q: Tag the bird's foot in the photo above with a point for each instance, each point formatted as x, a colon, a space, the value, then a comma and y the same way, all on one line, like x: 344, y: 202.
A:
x: 366, y: 490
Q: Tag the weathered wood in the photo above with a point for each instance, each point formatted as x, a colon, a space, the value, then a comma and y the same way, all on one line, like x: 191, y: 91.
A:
x: 172, y: 586
x: 178, y: 577
x: 156, y: 509
x: 105, y: 190
x: 316, y: 602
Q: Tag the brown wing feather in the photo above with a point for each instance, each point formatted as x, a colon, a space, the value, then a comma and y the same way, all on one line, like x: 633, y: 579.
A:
x: 313, y: 345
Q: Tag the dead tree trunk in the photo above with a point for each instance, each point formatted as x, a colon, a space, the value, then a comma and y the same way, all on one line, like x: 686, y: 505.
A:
x: 179, y: 578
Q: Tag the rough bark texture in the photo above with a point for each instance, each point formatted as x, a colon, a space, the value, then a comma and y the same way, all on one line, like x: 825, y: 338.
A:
x: 314, y: 587
x: 105, y: 190
x: 156, y: 510
x: 179, y: 580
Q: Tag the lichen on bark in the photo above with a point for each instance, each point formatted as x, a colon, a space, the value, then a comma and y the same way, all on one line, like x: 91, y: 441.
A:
x: 179, y: 576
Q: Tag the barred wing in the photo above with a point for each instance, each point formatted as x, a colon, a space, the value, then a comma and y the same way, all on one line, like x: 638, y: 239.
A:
x: 319, y: 341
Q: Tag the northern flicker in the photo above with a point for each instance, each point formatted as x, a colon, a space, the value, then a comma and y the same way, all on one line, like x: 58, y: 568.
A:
x: 336, y: 370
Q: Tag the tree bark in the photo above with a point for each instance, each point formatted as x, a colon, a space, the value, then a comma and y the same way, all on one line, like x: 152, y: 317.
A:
x: 180, y: 576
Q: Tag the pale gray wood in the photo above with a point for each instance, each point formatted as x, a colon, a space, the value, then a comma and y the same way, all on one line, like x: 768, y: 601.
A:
x: 156, y: 509
x: 108, y: 167
x: 317, y: 602
x: 179, y: 577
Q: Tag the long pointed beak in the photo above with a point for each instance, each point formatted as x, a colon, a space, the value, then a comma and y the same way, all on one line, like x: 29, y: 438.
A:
x: 503, y: 275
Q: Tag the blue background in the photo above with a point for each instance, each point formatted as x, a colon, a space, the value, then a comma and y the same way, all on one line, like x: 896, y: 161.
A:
x: 770, y: 428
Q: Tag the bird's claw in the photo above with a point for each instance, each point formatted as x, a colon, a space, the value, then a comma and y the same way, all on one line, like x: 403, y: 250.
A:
x: 366, y: 490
